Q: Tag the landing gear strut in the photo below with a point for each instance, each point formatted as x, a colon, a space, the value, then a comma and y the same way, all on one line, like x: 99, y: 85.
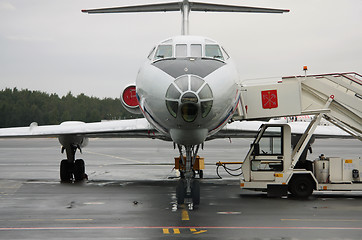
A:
x: 71, y: 169
x: 188, y: 186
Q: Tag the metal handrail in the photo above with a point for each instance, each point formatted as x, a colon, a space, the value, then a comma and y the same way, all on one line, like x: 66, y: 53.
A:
x: 353, y: 79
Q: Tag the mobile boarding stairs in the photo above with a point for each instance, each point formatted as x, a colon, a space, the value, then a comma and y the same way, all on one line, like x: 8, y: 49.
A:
x: 271, y: 164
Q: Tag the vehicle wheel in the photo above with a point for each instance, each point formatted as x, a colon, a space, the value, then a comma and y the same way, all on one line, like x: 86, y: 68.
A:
x: 66, y: 171
x: 201, y: 174
x: 180, y: 192
x: 79, y: 170
x: 301, y: 187
x: 195, y: 192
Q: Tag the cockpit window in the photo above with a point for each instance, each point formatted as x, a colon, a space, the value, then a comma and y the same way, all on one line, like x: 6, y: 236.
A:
x: 196, y: 50
x: 225, y: 53
x: 213, y: 51
x: 181, y: 50
x: 151, y: 53
x: 163, y: 51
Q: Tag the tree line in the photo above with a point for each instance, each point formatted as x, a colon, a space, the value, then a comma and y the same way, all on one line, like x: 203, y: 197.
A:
x: 22, y: 107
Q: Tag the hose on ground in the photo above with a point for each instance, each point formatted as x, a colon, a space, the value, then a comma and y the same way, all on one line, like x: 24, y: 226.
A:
x: 228, y: 170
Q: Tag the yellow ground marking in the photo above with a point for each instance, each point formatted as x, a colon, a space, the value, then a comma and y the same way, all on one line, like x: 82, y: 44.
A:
x: 112, y: 156
x: 167, y: 231
x: 199, y: 232
x: 194, y: 231
x: 185, y: 215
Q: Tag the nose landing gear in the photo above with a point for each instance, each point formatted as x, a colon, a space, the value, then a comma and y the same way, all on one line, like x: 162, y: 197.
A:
x: 188, y: 186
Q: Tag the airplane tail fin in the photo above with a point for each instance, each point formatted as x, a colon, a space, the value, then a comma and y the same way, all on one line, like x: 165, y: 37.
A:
x: 185, y: 7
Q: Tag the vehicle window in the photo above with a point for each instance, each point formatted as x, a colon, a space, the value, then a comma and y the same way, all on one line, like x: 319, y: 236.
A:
x: 225, y: 53
x: 196, y: 50
x: 267, y: 165
x: 164, y: 51
x: 271, y: 142
x: 181, y: 50
x: 151, y: 53
x: 213, y: 51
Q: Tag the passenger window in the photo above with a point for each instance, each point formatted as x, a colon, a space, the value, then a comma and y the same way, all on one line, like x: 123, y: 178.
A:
x: 163, y: 51
x: 196, y: 50
x: 213, y: 51
x: 181, y: 50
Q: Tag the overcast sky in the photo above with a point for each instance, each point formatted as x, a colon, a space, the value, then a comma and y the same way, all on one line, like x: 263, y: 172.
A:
x: 51, y: 46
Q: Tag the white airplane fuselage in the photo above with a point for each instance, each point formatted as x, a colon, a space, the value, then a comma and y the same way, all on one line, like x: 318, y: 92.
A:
x: 188, y: 88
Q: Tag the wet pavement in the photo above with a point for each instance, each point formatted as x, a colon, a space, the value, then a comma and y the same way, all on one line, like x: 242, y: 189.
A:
x: 130, y: 194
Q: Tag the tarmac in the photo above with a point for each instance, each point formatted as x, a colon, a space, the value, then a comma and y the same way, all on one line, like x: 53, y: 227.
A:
x: 130, y: 194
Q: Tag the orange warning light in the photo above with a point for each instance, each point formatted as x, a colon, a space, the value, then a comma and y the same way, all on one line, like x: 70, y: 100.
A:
x: 305, y: 68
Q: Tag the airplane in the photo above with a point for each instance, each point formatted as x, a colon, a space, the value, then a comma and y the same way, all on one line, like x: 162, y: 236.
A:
x: 188, y: 89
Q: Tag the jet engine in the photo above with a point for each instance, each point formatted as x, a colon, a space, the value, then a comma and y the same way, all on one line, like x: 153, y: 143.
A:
x: 129, y: 100
x: 68, y: 140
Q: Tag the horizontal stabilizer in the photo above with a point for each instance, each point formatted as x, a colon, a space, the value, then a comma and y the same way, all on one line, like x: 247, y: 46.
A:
x: 162, y: 7
x: 177, y: 6
x: 208, y: 7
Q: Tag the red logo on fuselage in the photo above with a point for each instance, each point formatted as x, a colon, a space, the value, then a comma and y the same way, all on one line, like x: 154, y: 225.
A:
x: 269, y: 99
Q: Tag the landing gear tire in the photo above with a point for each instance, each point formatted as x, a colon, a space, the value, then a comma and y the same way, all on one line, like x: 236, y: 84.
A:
x: 195, y: 192
x: 66, y: 168
x: 79, y: 170
x: 180, y: 192
x: 301, y: 187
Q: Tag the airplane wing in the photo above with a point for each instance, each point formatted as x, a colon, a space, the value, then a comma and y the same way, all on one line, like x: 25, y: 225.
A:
x: 131, y: 128
x: 140, y: 128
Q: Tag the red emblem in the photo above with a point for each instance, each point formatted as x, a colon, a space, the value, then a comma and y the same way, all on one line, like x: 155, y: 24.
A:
x: 269, y: 99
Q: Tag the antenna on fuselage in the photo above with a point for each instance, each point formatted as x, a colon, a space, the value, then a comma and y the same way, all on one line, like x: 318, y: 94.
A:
x: 185, y: 7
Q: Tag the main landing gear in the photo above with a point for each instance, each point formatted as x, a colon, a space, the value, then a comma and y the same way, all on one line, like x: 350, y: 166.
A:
x: 71, y: 169
x: 188, y: 186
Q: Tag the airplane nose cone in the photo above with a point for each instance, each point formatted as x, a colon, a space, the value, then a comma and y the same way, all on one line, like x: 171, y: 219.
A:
x: 190, y: 97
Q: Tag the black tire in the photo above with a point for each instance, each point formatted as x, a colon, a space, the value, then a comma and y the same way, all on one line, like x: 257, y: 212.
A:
x: 180, y: 192
x: 301, y: 187
x: 195, y: 192
x: 79, y: 170
x: 201, y: 174
x: 66, y: 169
